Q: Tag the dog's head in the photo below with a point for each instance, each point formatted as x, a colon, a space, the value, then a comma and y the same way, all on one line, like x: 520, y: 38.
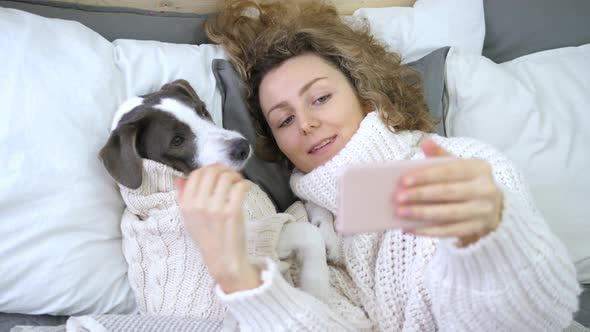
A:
x: 171, y: 126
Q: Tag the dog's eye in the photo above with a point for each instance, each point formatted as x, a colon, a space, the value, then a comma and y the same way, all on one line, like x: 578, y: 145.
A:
x: 177, y: 141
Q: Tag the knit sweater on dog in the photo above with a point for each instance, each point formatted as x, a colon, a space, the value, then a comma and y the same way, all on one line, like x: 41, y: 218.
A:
x: 166, y: 271
x: 517, y: 278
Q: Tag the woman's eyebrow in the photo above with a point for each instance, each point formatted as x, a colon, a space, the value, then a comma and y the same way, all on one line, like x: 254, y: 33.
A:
x: 309, y: 84
x: 304, y: 88
x: 277, y: 106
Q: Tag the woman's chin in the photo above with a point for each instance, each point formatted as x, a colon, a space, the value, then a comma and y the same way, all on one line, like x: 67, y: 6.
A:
x: 321, y: 160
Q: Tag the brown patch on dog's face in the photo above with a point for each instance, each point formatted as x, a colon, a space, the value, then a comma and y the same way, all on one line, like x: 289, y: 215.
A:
x: 168, y: 141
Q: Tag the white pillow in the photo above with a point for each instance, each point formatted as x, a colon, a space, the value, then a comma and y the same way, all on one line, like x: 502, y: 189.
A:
x: 147, y: 65
x: 535, y: 110
x: 413, y: 32
x: 60, y: 211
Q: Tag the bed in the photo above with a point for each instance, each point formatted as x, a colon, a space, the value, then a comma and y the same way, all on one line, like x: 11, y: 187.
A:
x: 67, y: 64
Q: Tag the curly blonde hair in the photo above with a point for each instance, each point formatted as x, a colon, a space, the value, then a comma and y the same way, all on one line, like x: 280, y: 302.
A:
x: 259, y: 37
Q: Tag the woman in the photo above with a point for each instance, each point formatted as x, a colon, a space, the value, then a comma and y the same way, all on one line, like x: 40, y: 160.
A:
x: 325, y: 96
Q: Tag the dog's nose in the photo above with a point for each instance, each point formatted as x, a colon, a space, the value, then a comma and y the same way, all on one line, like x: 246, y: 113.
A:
x: 240, y: 149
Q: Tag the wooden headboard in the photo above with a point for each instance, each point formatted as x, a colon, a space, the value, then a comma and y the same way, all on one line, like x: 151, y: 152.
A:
x: 345, y: 7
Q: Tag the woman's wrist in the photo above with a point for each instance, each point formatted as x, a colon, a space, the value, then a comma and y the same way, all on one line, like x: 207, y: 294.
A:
x: 471, y: 239
x: 244, y: 278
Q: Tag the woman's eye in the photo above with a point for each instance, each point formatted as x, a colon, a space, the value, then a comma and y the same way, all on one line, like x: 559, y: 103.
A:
x: 322, y: 99
x: 287, y: 121
x: 177, y: 141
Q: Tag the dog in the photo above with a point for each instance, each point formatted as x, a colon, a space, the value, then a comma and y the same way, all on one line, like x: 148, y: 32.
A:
x: 173, y: 127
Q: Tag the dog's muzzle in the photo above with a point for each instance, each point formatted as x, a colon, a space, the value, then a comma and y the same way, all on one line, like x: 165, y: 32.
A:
x: 239, y: 149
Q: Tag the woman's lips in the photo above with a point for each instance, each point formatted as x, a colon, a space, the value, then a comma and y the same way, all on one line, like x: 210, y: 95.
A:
x: 322, y: 145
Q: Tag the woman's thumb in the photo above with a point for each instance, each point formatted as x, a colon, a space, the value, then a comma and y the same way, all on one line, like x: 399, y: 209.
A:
x: 432, y: 149
x: 180, y: 183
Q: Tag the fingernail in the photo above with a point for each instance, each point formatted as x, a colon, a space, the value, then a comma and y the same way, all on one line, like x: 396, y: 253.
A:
x: 402, y: 197
x: 403, y: 212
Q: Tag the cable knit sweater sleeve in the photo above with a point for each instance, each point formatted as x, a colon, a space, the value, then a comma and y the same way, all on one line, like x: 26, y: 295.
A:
x: 518, y: 278
x: 278, y: 306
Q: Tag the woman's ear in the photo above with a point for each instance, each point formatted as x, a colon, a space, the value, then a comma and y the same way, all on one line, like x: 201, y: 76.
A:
x: 367, y: 107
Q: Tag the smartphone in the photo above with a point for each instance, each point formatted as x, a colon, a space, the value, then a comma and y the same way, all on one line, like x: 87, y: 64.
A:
x: 366, y: 196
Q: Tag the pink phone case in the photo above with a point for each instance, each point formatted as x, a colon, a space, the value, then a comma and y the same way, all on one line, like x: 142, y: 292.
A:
x: 366, y: 196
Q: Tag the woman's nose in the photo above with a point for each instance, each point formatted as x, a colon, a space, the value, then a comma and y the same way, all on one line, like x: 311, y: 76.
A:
x: 308, y: 122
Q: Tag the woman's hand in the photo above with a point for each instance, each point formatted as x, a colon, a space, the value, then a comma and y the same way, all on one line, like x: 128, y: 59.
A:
x: 460, y: 197
x: 211, y: 201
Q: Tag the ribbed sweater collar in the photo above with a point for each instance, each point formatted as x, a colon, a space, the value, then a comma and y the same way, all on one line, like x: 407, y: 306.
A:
x: 373, y: 142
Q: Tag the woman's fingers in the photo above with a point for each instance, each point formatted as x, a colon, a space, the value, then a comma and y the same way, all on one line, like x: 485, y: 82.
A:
x: 191, y: 186
x: 201, y: 182
x: 446, y: 213
x: 452, y: 171
x: 180, y: 184
x: 445, y: 192
x: 237, y: 195
x: 208, y: 179
x: 458, y: 198
x: 221, y: 192
x: 432, y: 149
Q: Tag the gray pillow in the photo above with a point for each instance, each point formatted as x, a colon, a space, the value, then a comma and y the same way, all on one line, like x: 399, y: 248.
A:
x: 432, y: 69
x: 517, y: 28
x: 274, y: 178
x: 8, y: 321
x: 117, y: 22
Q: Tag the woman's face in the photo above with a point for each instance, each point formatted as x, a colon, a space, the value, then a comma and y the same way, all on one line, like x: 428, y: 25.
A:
x: 311, y: 108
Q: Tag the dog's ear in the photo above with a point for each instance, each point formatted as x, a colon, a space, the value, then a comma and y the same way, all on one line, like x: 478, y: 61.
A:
x: 120, y: 156
x: 184, y: 87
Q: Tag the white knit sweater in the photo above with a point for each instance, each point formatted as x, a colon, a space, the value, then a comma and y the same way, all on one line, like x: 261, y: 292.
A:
x: 166, y: 271
x: 517, y: 278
